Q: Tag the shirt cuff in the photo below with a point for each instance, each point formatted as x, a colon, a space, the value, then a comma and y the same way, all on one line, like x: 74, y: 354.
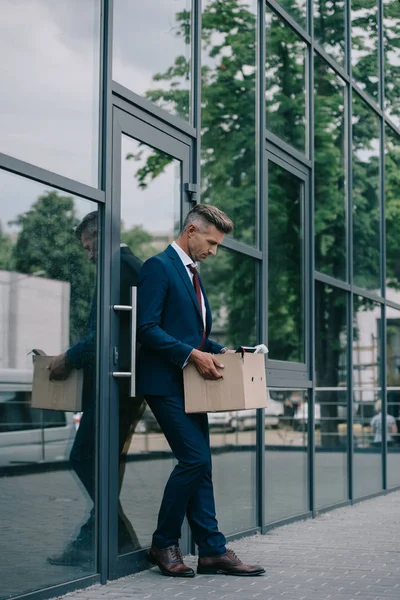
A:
x: 187, y: 360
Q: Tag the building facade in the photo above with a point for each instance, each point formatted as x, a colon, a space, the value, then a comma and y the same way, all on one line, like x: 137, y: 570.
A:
x: 286, y: 115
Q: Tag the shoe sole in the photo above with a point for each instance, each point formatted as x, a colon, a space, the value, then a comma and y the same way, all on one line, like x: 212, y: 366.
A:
x: 211, y: 571
x: 168, y: 573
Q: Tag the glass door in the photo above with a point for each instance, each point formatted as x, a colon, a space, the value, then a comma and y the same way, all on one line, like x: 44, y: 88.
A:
x: 151, y: 170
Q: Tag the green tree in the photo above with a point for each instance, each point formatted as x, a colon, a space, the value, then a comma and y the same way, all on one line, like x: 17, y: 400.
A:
x: 139, y: 241
x: 46, y: 242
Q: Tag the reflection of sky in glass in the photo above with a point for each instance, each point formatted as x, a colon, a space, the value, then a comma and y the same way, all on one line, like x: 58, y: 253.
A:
x: 145, y: 43
x: 150, y: 208
x: 50, y: 94
x: 17, y: 195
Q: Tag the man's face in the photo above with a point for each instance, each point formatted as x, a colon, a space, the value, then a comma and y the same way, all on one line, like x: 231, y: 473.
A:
x: 203, y: 243
x: 89, y: 243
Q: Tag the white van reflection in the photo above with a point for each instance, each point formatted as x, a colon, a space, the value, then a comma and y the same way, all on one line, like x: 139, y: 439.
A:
x: 241, y: 420
x: 30, y: 435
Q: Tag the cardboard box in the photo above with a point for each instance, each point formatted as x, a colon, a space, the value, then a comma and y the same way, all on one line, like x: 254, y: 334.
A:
x: 243, y: 385
x: 55, y: 395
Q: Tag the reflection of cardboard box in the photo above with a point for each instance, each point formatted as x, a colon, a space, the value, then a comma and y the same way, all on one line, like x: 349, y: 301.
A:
x: 243, y: 385
x: 55, y: 395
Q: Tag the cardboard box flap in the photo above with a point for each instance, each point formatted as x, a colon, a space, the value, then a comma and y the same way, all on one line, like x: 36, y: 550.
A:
x: 255, y: 381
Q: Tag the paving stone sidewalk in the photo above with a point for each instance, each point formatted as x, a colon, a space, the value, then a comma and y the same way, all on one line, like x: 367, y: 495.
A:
x: 351, y: 553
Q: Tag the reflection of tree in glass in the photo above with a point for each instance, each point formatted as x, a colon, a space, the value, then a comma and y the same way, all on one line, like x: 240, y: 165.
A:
x: 329, y: 182
x: 296, y: 8
x: 392, y: 203
x: 6, y: 246
x: 329, y: 20
x: 285, y: 265
x: 175, y: 96
x: 391, y: 46
x: 285, y: 93
x: 139, y: 241
x: 330, y: 355
x: 366, y: 207
x: 47, y: 242
x: 230, y: 280
x: 364, y: 44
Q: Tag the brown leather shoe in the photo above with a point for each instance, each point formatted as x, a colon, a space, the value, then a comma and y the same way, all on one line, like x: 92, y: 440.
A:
x: 169, y: 561
x: 226, y: 564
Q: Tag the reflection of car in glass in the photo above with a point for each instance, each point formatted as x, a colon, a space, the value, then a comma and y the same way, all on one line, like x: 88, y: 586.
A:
x: 300, y: 418
x: 246, y: 419
x: 148, y: 423
x: 25, y: 431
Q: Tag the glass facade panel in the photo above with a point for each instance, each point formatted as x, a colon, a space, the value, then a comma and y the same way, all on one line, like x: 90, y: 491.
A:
x: 364, y: 45
x: 367, y: 393
x: 331, y: 395
x: 48, y: 465
x: 285, y: 80
x: 49, y: 105
x: 329, y: 27
x: 285, y: 267
x: 392, y: 213
x: 296, y: 9
x: 141, y: 29
x: 228, y: 97
x: 393, y: 397
x: 366, y: 201
x: 391, y: 28
x: 286, y: 441
x: 144, y: 232
x: 330, y: 135
x: 231, y: 283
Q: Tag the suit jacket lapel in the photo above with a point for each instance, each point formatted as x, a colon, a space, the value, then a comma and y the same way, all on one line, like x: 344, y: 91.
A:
x: 179, y: 266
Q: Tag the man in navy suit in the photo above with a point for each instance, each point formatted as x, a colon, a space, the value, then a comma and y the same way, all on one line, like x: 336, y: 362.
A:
x: 173, y: 325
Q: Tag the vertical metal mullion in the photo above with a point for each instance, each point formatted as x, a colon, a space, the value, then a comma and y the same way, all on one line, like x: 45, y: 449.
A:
x: 383, y: 398
x: 310, y: 267
x: 263, y: 244
x: 383, y: 330
x: 381, y: 56
x: 196, y: 87
x: 103, y: 419
x: 350, y: 299
x: 196, y: 120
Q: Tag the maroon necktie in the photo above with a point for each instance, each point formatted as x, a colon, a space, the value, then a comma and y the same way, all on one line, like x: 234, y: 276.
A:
x: 197, y: 289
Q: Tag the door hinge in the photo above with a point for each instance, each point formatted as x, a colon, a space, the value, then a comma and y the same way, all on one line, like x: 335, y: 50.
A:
x: 192, y: 190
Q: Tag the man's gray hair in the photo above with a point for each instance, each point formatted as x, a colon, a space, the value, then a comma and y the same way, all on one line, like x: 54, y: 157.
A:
x: 88, y: 224
x: 204, y: 215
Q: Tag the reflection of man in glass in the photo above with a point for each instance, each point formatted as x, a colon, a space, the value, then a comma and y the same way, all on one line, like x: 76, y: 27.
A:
x: 377, y: 426
x: 82, y: 355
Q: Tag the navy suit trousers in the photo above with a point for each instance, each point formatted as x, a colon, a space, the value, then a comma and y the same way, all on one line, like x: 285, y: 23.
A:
x: 189, y: 490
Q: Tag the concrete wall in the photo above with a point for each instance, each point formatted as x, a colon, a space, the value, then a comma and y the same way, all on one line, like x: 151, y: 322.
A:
x: 34, y: 313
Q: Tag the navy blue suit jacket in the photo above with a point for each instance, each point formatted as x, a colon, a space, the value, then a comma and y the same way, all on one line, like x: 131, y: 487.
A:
x: 169, y: 324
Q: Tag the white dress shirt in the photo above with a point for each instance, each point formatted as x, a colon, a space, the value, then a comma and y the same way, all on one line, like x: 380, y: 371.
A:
x: 187, y: 261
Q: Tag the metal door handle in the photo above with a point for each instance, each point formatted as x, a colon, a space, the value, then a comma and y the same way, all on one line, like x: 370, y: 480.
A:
x: 132, y: 309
